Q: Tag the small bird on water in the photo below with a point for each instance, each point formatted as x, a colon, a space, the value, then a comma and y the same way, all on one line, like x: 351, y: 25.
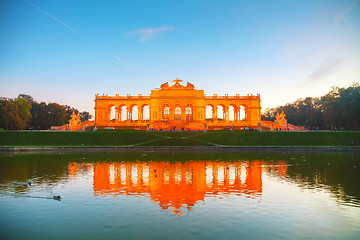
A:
x: 57, y: 197
x: 27, y: 184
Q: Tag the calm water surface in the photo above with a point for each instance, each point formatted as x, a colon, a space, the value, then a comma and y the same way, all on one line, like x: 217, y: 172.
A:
x: 180, y: 195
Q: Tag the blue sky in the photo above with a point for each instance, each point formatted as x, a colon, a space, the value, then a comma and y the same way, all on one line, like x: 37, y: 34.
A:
x: 67, y: 51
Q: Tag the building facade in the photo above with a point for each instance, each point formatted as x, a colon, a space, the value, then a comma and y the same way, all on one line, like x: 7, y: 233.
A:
x: 177, y: 107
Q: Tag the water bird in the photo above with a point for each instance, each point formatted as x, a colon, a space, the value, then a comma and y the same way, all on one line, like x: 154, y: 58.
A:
x: 57, y: 197
x: 27, y: 184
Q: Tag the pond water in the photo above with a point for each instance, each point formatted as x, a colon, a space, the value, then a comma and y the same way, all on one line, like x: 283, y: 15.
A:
x: 173, y: 195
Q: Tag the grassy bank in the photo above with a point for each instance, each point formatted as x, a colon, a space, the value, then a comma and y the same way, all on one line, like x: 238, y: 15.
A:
x: 143, y: 138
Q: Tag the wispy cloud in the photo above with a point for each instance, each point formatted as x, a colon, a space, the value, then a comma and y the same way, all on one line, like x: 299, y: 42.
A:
x: 327, y: 68
x: 75, y: 31
x: 146, y: 34
x: 342, y: 14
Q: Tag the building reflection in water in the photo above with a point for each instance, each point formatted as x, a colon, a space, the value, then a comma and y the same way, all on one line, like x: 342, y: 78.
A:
x: 178, y: 185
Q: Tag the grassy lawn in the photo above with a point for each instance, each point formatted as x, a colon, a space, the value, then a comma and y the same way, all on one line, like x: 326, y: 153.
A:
x: 211, y: 138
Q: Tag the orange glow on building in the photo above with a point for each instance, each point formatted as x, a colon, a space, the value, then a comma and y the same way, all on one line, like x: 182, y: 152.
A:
x: 177, y: 107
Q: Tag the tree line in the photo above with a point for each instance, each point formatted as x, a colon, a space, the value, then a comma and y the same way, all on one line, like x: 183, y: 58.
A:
x: 24, y: 112
x: 340, y: 108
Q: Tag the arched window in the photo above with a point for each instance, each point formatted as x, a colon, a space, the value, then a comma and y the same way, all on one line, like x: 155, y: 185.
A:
x: 123, y: 113
x: 209, y: 113
x: 112, y: 112
x: 134, y: 113
x: 189, y: 113
x: 177, y: 113
x: 145, y: 113
x: 221, y: 113
x: 232, y: 113
x: 242, y: 113
x: 166, y: 112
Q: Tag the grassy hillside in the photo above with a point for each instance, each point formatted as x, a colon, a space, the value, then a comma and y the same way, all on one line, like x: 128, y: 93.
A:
x: 143, y: 138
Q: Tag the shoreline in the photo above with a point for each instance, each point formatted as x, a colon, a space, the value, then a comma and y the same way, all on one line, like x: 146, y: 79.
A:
x: 182, y: 148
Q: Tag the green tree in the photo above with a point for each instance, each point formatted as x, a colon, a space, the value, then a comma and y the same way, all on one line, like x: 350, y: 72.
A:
x: 23, y: 109
x: 84, y: 116
x: 9, y: 117
x: 338, y: 108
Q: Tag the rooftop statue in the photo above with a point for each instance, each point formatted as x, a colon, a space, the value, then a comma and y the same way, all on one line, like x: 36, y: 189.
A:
x: 190, y: 86
x: 164, y: 86
x: 177, y: 81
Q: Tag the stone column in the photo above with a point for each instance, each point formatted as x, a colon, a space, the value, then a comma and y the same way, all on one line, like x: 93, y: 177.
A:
x: 215, y: 113
x: 172, y: 113
x: 226, y: 111
x: 116, y: 114
x: 161, y: 114
x: 128, y: 114
x: 183, y: 113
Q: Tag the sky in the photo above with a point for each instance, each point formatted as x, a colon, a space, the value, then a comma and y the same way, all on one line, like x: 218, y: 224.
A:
x: 67, y: 51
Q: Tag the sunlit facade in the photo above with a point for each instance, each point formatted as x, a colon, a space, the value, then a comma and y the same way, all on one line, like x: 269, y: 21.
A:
x: 177, y: 107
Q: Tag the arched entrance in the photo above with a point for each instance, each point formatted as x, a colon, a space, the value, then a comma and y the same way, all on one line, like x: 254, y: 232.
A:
x: 243, y: 113
x: 221, y: 112
x: 145, y: 113
x: 209, y: 113
x: 134, y: 113
x: 122, y: 111
x: 111, y: 109
x: 232, y: 113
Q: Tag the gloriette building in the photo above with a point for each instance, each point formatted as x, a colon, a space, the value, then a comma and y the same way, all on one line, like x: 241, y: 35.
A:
x: 177, y: 107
